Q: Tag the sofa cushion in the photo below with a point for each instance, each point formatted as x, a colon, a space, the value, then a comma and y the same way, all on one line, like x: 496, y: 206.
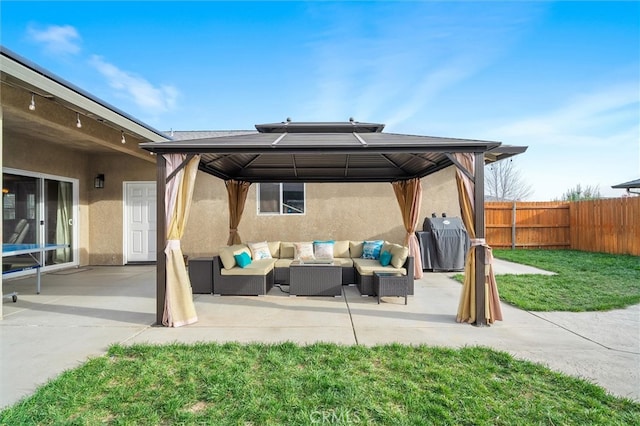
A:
x: 371, y: 249
x: 283, y: 263
x: 399, y: 255
x: 343, y: 262
x: 274, y: 248
x: 227, y: 253
x: 242, y: 259
x: 286, y: 250
x: 259, y: 250
x: 257, y: 267
x: 355, y: 249
x: 386, y: 246
x: 341, y: 248
x: 369, y: 266
x: 303, y: 251
x: 323, y: 249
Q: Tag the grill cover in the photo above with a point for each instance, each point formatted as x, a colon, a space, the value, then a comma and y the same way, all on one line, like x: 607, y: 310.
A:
x: 443, y: 243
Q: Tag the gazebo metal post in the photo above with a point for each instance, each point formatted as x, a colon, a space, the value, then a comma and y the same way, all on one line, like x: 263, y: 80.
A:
x: 161, y: 238
x: 479, y: 227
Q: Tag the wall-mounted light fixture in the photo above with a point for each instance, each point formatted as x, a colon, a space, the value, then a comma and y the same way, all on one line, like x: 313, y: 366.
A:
x: 98, y: 182
x: 32, y: 105
x: 78, y: 123
x: 123, y: 140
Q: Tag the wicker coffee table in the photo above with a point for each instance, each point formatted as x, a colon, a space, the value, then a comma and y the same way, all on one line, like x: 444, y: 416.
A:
x: 389, y: 284
x: 315, y: 279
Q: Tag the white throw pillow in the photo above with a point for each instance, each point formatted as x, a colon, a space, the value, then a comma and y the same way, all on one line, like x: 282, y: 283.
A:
x: 260, y: 250
x: 323, y: 249
x: 303, y: 251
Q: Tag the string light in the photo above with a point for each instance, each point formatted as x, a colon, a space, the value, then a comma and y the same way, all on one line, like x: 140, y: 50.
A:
x: 123, y: 140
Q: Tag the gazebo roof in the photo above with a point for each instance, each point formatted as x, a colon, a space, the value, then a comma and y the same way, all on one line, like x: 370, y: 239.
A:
x: 327, y: 152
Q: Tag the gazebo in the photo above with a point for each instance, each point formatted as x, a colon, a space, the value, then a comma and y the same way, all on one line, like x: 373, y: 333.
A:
x: 322, y: 152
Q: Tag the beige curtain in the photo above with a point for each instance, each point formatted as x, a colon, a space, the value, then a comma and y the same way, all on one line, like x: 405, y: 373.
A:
x: 409, y: 195
x: 237, y: 192
x: 179, y: 309
x: 467, y: 306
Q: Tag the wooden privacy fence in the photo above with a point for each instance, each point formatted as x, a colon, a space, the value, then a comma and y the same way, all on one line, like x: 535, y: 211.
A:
x: 605, y: 225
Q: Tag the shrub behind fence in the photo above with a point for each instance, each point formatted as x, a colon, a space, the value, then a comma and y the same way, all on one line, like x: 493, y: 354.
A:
x: 605, y: 225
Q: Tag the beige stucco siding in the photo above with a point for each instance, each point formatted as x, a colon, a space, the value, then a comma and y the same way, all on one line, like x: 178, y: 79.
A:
x: 106, y: 212
x: 33, y: 156
x: 333, y: 211
x: 100, y: 210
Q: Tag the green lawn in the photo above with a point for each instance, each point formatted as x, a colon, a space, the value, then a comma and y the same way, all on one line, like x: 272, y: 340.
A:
x: 287, y: 384
x: 584, y: 281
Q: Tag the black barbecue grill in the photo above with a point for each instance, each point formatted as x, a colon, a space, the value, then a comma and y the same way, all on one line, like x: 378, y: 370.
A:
x: 444, y: 243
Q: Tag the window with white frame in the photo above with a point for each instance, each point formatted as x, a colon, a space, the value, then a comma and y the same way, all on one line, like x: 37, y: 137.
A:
x: 281, y: 198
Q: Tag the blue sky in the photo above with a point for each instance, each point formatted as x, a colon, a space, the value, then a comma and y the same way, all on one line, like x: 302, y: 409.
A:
x: 560, y: 77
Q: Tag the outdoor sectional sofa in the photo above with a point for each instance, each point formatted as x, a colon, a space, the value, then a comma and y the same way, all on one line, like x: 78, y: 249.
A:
x: 264, y: 271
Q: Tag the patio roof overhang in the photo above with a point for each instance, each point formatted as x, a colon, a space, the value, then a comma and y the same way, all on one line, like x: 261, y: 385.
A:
x: 327, y: 152
x: 59, y: 105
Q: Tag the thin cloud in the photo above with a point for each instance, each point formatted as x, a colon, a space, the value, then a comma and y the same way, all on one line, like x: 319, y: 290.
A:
x: 585, y: 120
x: 153, y: 99
x: 56, y: 39
x: 397, y: 61
x: 432, y: 84
x: 601, y: 125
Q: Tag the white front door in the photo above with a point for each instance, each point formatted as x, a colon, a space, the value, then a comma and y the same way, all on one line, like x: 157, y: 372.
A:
x: 140, y: 221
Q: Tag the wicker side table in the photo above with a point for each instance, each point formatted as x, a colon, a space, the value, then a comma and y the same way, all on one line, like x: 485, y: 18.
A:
x: 201, y: 275
x: 389, y: 284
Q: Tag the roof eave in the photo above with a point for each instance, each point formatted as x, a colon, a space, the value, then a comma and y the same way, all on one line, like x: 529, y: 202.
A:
x: 36, y: 79
x: 502, y: 152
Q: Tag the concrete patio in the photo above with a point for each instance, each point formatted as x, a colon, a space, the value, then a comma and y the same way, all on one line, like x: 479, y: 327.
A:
x: 81, y: 312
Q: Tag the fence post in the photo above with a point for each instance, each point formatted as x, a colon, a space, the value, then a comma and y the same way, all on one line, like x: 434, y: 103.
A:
x: 513, y: 226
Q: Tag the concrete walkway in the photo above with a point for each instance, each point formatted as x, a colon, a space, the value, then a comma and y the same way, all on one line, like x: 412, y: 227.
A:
x: 81, y: 312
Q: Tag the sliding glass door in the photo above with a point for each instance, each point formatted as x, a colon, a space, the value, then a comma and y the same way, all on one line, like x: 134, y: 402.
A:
x: 58, y: 220
x: 41, y: 209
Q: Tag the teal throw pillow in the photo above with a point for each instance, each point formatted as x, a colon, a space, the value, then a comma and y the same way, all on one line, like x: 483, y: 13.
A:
x: 385, y: 258
x: 243, y: 259
x: 371, y: 249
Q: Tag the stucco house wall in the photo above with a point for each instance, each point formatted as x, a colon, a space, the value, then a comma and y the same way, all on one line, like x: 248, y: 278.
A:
x: 33, y: 156
x: 333, y: 211
x: 106, y: 212
x: 100, y: 210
